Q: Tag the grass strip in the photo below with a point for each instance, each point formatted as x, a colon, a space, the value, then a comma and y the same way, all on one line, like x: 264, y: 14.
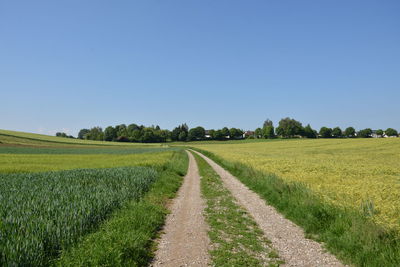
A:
x: 349, y: 234
x: 235, y: 236
x: 126, y: 239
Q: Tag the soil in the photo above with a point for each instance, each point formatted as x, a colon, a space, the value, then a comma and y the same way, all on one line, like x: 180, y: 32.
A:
x: 184, y: 241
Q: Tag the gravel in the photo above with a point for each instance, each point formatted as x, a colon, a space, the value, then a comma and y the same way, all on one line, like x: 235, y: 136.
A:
x: 184, y: 241
x: 286, y: 237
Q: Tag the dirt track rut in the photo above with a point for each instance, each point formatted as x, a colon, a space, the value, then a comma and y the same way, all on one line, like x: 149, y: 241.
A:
x: 185, y: 241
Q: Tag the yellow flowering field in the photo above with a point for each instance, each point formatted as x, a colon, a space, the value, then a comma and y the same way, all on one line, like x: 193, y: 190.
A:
x: 347, y: 172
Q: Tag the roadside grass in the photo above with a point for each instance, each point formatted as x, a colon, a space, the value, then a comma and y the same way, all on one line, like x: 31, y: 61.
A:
x: 236, y: 238
x: 126, y: 239
x: 349, y: 234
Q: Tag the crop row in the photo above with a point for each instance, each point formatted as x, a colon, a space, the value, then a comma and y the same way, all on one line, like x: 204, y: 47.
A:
x: 44, y: 213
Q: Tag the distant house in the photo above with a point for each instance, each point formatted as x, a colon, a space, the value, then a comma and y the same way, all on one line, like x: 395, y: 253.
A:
x: 247, y: 134
x: 375, y: 135
x: 208, y: 135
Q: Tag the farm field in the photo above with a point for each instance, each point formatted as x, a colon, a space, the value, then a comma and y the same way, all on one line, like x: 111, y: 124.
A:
x: 22, y: 138
x: 25, y: 152
x: 90, y: 205
x: 58, y: 201
x: 53, y: 209
x: 12, y: 163
x: 355, y: 173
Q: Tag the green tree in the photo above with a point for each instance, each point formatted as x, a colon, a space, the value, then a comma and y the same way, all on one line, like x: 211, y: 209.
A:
x: 95, y: 133
x: 337, y: 132
x: 110, y: 134
x: 267, y: 123
x: 350, y: 132
x: 122, y: 130
x: 225, y: 131
x: 182, y: 136
x: 148, y: 135
x: 289, y: 128
x: 235, y: 133
x: 164, y: 135
x: 268, y: 131
x: 219, y: 135
x: 176, y: 132
x: 132, y: 127
x: 391, y: 132
x: 240, y: 133
x: 211, y: 133
x: 365, y: 133
x: 197, y: 133
x: 82, y: 133
x: 61, y: 134
x: 325, y: 132
x: 379, y: 132
x: 258, y: 133
x: 309, y: 132
x: 136, y: 135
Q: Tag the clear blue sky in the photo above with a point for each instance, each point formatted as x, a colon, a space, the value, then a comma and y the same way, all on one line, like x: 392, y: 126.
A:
x: 67, y: 65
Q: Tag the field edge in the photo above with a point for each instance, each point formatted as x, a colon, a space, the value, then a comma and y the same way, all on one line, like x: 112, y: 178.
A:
x: 128, y: 237
x: 346, y: 233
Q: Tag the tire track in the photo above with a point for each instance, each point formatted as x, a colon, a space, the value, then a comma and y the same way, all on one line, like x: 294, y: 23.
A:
x: 185, y: 241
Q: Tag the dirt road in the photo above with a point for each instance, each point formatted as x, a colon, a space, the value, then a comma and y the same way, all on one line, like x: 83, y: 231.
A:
x: 185, y: 241
x: 286, y: 237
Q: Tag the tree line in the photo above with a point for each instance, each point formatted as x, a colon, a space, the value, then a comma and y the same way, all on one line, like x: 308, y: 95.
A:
x: 287, y: 128
x: 124, y: 133
x: 291, y: 128
x: 154, y: 134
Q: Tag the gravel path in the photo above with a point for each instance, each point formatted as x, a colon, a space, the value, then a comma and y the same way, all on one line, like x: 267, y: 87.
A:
x: 286, y: 237
x: 185, y: 241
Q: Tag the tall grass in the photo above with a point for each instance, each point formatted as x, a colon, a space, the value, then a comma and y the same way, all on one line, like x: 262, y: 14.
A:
x: 42, y: 213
